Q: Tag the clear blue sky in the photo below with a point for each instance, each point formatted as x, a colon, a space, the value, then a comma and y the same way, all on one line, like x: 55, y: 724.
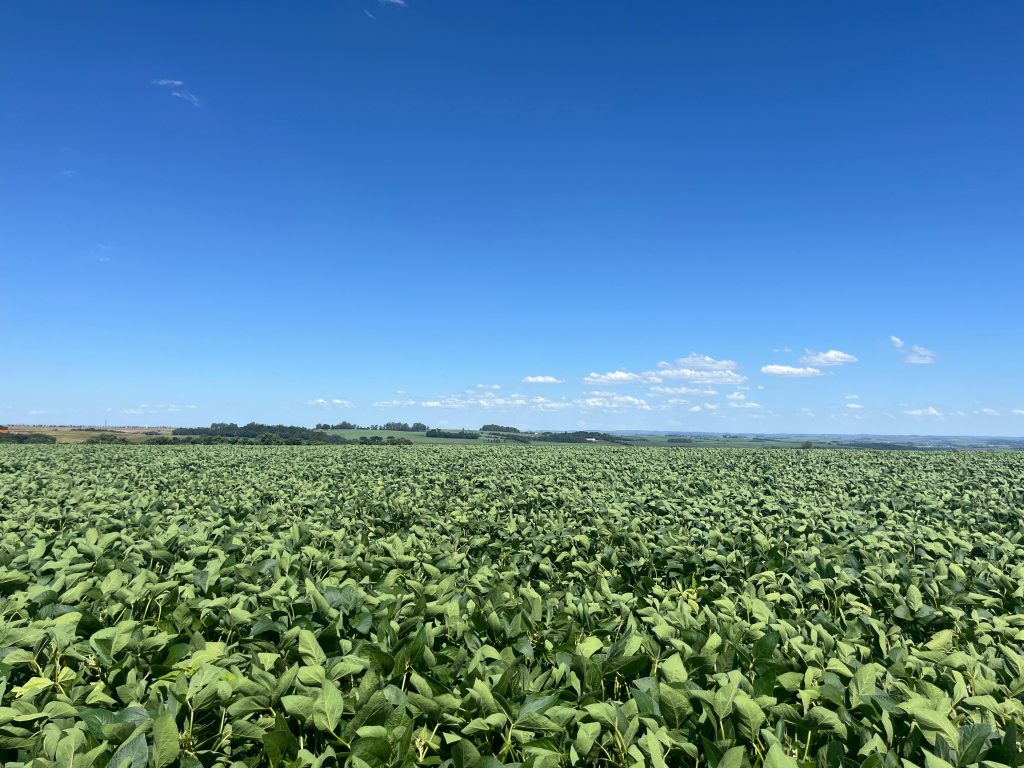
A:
x: 371, y: 211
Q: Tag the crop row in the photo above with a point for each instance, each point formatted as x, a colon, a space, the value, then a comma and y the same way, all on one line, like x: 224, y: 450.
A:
x: 480, y: 607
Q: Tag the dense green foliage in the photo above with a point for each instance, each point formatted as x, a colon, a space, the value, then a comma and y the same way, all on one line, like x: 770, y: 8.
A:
x: 578, y: 437
x: 252, y: 433
x: 26, y: 437
x: 498, y: 428
x: 477, y: 606
x: 459, y: 435
x: 389, y: 440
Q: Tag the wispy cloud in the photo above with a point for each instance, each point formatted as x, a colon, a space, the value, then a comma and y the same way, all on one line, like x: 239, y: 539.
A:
x: 683, y: 391
x: 736, y: 396
x: 187, y: 96
x: 612, y: 377
x: 915, y: 354
x: 145, y: 409
x: 789, y: 370
x: 1018, y: 411
x: 394, y: 403
x: 612, y: 401
x: 744, y: 404
x: 177, y: 89
x: 919, y: 356
x: 694, y: 369
x: 929, y: 411
x: 830, y: 357
x: 852, y: 397
x: 541, y: 380
x: 854, y: 406
x: 701, y: 363
x: 487, y: 401
x: 333, y: 403
x: 400, y: 3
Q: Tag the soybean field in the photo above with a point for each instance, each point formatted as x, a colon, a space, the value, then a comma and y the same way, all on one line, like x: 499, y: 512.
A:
x: 481, y: 606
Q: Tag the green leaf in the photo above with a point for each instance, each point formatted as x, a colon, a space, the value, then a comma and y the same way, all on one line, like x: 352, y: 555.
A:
x: 733, y: 758
x: 914, y: 600
x: 589, y: 647
x: 776, y: 758
x: 310, y: 650
x: 133, y: 752
x: 749, y: 715
x: 165, y: 740
x: 675, y: 705
x: 973, y: 739
x: 328, y: 708
x: 586, y: 735
x: 827, y: 720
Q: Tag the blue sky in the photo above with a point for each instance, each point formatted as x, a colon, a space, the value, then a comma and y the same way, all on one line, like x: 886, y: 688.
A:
x: 694, y: 216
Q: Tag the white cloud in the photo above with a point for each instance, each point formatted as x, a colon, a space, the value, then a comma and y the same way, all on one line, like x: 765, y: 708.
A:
x: 188, y: 96
x: 929, y: 411
x: 150, y: 410
x: 177, y: 90
x: 612, y: 401
x: 711, y: 406
x: 919, y: 356
x: 1018, y: 411
x: 744, y: 404
x: 701, y: 363
x: 852, y: 397
x: 789, y: 370
x: 830, y: 357
x: 854, y: 406
x: 698, y: 369
x: 696, y: 409
x: 488, y: 401
x: 488, y: 386
x: 683, y: 391
x: 694, y: 368
x: 393, y: 403
x: 612, y: 377
x: 697, y: 375
x: 916, y: 355
x: 332, y: 403
x: 736, y: 396
x: 987, y: 412
x: 543, y: 404
x: 401, y: 3
x: 541, y: 380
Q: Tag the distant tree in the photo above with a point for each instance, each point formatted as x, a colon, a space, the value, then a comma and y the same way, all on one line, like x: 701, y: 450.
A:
x: 26, y: 437
x: 460, y: 435
x: 106, y: 438
x: 418, y: 426
x: 806, y: 445
x: 498, y: 428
